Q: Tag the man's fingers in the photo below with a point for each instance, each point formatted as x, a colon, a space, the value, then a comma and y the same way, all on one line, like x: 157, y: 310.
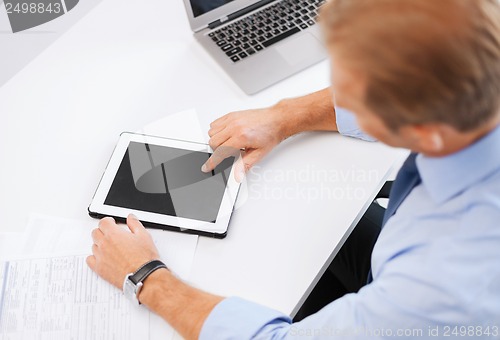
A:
x: 246, y: 162
x: 219, y: 139
x: 219, y: 121
x: 211, y: 163
x: 221, y: 153
x: 91, y: 262
x: 106, y: 224
x: 134, y: 224
x: 251, y: 157
x: 215, y: 130
x: 239, y: 171
x: 97, y: 235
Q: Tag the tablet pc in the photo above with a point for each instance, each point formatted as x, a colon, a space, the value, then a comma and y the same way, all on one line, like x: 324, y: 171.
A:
x: 160, y: 181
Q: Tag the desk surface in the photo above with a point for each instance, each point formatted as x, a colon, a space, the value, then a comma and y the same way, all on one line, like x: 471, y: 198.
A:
x: 122, y: 67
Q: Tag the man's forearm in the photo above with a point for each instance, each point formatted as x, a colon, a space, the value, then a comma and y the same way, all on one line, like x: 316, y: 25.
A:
x: 313, y: 112
x: 185, y: 308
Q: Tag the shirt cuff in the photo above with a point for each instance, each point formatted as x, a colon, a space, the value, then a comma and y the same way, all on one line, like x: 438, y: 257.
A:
x: 347, y: 125
x: 236, y: 318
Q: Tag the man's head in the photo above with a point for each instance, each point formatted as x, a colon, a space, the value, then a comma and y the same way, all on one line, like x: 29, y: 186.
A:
x: 417, y: 73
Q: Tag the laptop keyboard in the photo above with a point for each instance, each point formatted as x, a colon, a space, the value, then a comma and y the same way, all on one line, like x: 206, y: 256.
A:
x: 262, y: 29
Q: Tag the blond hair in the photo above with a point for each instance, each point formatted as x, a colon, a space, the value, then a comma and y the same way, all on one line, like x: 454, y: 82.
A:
x: 424, y: 60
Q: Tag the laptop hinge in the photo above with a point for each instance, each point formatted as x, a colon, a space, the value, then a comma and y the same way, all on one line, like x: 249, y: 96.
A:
x: 239, y: 13
x: 218, y: 22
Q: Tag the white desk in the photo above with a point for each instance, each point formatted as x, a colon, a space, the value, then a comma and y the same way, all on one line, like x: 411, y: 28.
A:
x: 124, y: 66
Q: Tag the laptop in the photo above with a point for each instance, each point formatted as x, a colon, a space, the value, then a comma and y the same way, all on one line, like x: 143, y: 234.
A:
x: 258, y: 42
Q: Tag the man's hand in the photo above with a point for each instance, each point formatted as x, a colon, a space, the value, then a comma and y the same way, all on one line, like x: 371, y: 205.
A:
x: 259, y: 131
x: 118, y: 251
x: 255, y: 131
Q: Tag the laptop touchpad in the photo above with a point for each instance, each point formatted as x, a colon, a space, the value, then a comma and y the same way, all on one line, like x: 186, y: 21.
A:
x: 300, y: 49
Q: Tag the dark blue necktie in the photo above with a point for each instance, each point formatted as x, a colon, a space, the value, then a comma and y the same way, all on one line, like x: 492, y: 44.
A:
x: 407, y: 179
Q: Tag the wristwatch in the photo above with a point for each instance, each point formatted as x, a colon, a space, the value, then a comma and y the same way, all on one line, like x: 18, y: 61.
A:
x: 133, y: 282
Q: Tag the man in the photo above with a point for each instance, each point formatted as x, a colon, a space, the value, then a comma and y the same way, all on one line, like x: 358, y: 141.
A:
x: 424, y: 75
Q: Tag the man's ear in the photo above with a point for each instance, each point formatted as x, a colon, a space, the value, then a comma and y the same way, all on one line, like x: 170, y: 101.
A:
x: 428, y: 138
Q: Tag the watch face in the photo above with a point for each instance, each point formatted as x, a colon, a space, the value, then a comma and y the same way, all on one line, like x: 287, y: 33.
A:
x: 130, y: 289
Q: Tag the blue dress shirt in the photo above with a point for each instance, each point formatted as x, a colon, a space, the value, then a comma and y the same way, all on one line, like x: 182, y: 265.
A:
x: 435, y: 265
x: 347, y: 125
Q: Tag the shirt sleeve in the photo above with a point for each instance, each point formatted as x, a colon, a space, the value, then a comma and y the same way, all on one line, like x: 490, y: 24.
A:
x: 236, y: 318
x: 359, y: 316
x: 405, y: 301
x: 347, y: 318
x: 347, y: 125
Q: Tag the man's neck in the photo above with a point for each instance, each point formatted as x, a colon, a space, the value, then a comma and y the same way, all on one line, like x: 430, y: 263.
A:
x: 454, y: 141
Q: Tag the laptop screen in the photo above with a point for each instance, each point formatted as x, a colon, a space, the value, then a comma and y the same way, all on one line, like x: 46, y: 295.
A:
x: 201, y: 7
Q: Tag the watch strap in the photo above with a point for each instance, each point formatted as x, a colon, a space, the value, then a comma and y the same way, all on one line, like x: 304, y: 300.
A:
x: 145, y: 270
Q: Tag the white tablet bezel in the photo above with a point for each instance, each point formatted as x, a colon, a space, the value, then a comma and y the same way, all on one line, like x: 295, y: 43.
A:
x: 98, y: 209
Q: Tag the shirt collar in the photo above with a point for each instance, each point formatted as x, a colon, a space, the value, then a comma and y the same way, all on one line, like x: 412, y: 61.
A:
x: 445, y: 177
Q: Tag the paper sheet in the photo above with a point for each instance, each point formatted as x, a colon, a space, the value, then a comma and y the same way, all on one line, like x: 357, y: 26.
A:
x: 53, y: 236
x: 11, y: 244
x: 52, y: 254
x: 61, y: 298
x: 183, y: 125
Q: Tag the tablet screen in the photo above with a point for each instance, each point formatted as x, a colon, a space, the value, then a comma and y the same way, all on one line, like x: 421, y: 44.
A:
x: 166, y: 180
